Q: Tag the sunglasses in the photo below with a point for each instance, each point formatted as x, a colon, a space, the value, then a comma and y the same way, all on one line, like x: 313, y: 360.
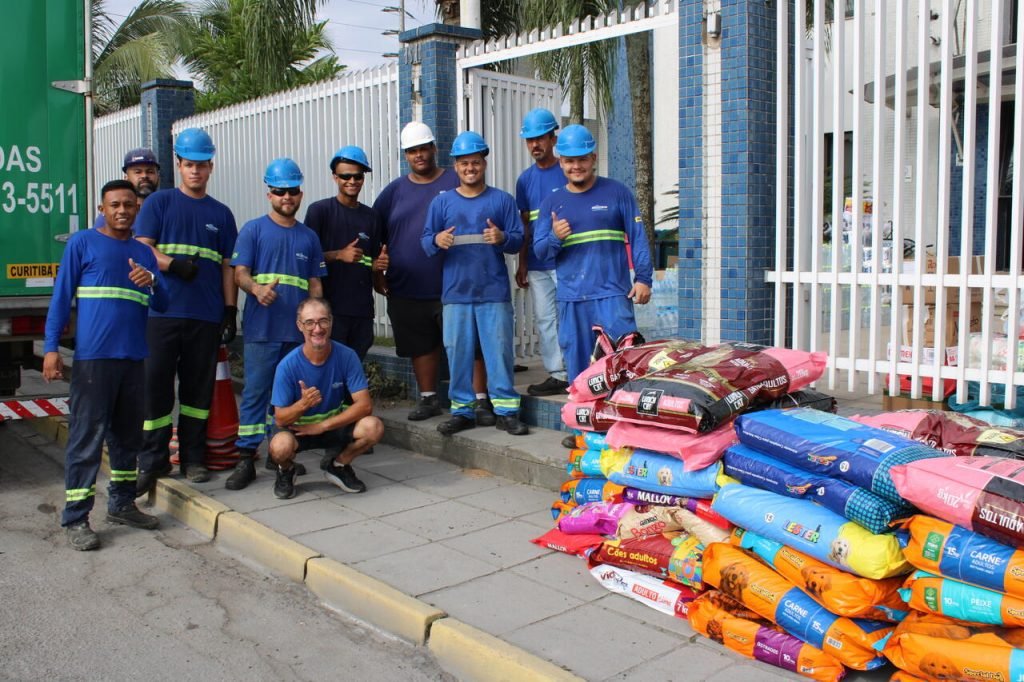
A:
x: 350, y: 176
x: 281, y: 191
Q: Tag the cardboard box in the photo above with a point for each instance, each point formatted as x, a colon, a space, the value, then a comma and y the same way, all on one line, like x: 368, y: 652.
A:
x: 952, y: 268
x: 950, y: 335
x: 892, y: 403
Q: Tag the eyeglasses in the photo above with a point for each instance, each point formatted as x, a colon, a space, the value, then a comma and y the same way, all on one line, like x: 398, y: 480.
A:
x: 281, y: 191
x: 323, y: 323
x: 359, y: 177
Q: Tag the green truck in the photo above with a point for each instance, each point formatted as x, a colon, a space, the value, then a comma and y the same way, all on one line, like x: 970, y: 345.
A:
x: 45, y: 164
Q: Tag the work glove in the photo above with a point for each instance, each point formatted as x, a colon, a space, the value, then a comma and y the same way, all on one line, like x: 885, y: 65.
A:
x: 185, y: 268
x: 229, y: 325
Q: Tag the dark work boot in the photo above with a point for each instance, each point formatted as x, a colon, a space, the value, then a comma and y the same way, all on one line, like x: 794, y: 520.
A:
x: 483, y: 410
x: 244, y: 473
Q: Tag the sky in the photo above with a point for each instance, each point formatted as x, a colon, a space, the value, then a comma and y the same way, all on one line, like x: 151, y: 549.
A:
x: 355, y: 26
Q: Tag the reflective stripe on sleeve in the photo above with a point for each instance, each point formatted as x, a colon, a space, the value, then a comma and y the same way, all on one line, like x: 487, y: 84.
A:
x: 317, y: 418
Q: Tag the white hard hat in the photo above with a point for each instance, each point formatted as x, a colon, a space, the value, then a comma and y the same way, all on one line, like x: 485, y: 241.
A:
x: 414, y: 134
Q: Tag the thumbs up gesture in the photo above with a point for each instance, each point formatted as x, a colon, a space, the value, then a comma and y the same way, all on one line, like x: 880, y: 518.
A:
x: 493, y: 234
x: 140, y: 276
x: 351, y: 253
x: 381, y: 262
x: 560, y: 227
x: 266, y: 294
x: 444, y: 240
x: 310, y: 396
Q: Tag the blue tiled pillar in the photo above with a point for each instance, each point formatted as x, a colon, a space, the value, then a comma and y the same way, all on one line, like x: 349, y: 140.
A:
x: 163, y: 103
x: 426, y: 77
x: 621, y: 152
x: 691, y: 172
x: 748, y: 169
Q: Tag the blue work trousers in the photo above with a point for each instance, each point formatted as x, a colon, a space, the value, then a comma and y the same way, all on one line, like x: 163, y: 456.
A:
x: 261, y: 360
x: 105, y: 405
x: 490, y: 325
x: 575, y: 327
x: 543, y: 284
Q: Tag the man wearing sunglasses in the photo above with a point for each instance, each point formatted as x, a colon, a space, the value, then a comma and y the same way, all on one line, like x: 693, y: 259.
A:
x: 321, y: 401
x: 186, y: 222
x: 350, y: 236
x: 278, y: 263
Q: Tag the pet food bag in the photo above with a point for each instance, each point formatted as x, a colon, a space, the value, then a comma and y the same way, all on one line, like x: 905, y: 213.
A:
x: 696, y: 450
x: 756, y: 469
x: 942, y: 548
x: 600, y: 517
x: 947, y: 597
x: 662, y: 595
x: 587, y: 416
x: 707, y: 391
x: 958, y: 434
x: 711, y: 614
x: 931, y: 647
x: 832, y: 445
x: 983, y: 494
x: 658, y: 473
x: 583, y: 490
x: 771, y: 596
x: 561, y: 541
x: 700, y: 507
x: 583, y: 463
x: 606, y: 373
x: 813, y: 530
x: 675, y: 556
x: 842, y: 593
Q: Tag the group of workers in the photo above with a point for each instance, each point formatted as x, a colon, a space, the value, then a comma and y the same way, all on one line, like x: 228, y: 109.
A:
x: 157, y: 282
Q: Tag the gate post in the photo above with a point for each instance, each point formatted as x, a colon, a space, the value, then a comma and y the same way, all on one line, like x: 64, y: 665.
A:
x: 164, y: 102
x: 427, y: 81
x: 691, y: 170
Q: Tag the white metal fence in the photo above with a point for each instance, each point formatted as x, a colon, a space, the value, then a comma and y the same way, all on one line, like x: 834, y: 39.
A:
x: 113, y: 135
x: 893, y: 107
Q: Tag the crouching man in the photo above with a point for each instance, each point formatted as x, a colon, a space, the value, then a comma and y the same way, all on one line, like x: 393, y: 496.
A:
x: 321, y: 401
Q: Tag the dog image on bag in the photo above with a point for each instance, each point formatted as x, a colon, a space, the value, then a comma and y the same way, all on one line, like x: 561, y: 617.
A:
x: 716, y: 631
x: 840, y: 551
x: 938, y: 665
x: 735, y: 579
x: 816, y: 580
x: 665, y: 476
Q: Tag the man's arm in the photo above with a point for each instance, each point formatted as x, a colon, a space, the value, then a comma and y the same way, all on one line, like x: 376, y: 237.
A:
x: 59, y: 312
x: 309, y: 397
x: 522, y: 279
x: 227, y: 276
x: 316, y: 287
x: 362, y: 406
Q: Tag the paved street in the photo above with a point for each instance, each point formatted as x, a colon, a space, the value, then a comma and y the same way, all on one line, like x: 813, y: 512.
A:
x: 163, y: 605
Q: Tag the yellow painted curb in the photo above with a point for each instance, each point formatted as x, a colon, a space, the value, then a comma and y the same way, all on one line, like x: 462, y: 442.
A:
x: 269, y: 548
x: 46, y: 427
x: 188, y: 506
x: 371, y: 600
x: 471, y: 654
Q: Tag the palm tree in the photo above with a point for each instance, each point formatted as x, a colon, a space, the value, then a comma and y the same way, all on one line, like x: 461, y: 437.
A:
x: 243, y: 49
x: 141, y: 48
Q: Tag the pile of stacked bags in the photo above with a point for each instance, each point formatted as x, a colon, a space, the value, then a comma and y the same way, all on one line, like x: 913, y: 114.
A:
x: 794, y: 536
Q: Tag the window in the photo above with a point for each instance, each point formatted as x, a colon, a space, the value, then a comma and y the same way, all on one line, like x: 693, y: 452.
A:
x: 830, y: 8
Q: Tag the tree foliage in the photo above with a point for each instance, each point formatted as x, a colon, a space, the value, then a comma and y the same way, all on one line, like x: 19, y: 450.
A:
x: 242, y: 49
x: 141, y: 48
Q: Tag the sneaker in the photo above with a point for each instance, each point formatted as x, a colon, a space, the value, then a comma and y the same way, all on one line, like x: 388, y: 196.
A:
x: 457, y: 423
x: 300, y: 468
x: 484, y: 412
x: 197, y: 474
x: 82, y: 537
x: 243, y: 475
x: 284, y: 486
x: 550, y: 386
x: 131, y: 516
x: 519, y: 368
x: 511, y: 423
x: 569, y: 442
x: 427, y: 407
x: 344, y: 477
x: 147, y: 479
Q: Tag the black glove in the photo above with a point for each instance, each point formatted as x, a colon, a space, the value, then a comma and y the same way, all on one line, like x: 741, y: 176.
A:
x: 229, y: 325
x: 185, y: 268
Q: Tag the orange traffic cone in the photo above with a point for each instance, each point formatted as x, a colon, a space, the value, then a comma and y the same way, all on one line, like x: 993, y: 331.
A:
x: 222, y: 426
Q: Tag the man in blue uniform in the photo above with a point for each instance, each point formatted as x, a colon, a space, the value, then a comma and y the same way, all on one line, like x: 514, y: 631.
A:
x: 472, y: 227
x: 585, y: 228
x: 278, y: 263
x: 321, y: 401
x: 413, y: 282
x: 186, y: 222
x: 533, y: 186
x: 115, y: 279
x: 350, y: 236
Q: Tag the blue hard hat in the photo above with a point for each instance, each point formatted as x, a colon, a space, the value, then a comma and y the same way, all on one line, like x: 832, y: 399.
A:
x: 575, y: 140
x: 538, y: 122
x: 283, y: 172
x: 352, y: 154
x: 139, y: 157
x: 194, y: 144
x: 469, y: 143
